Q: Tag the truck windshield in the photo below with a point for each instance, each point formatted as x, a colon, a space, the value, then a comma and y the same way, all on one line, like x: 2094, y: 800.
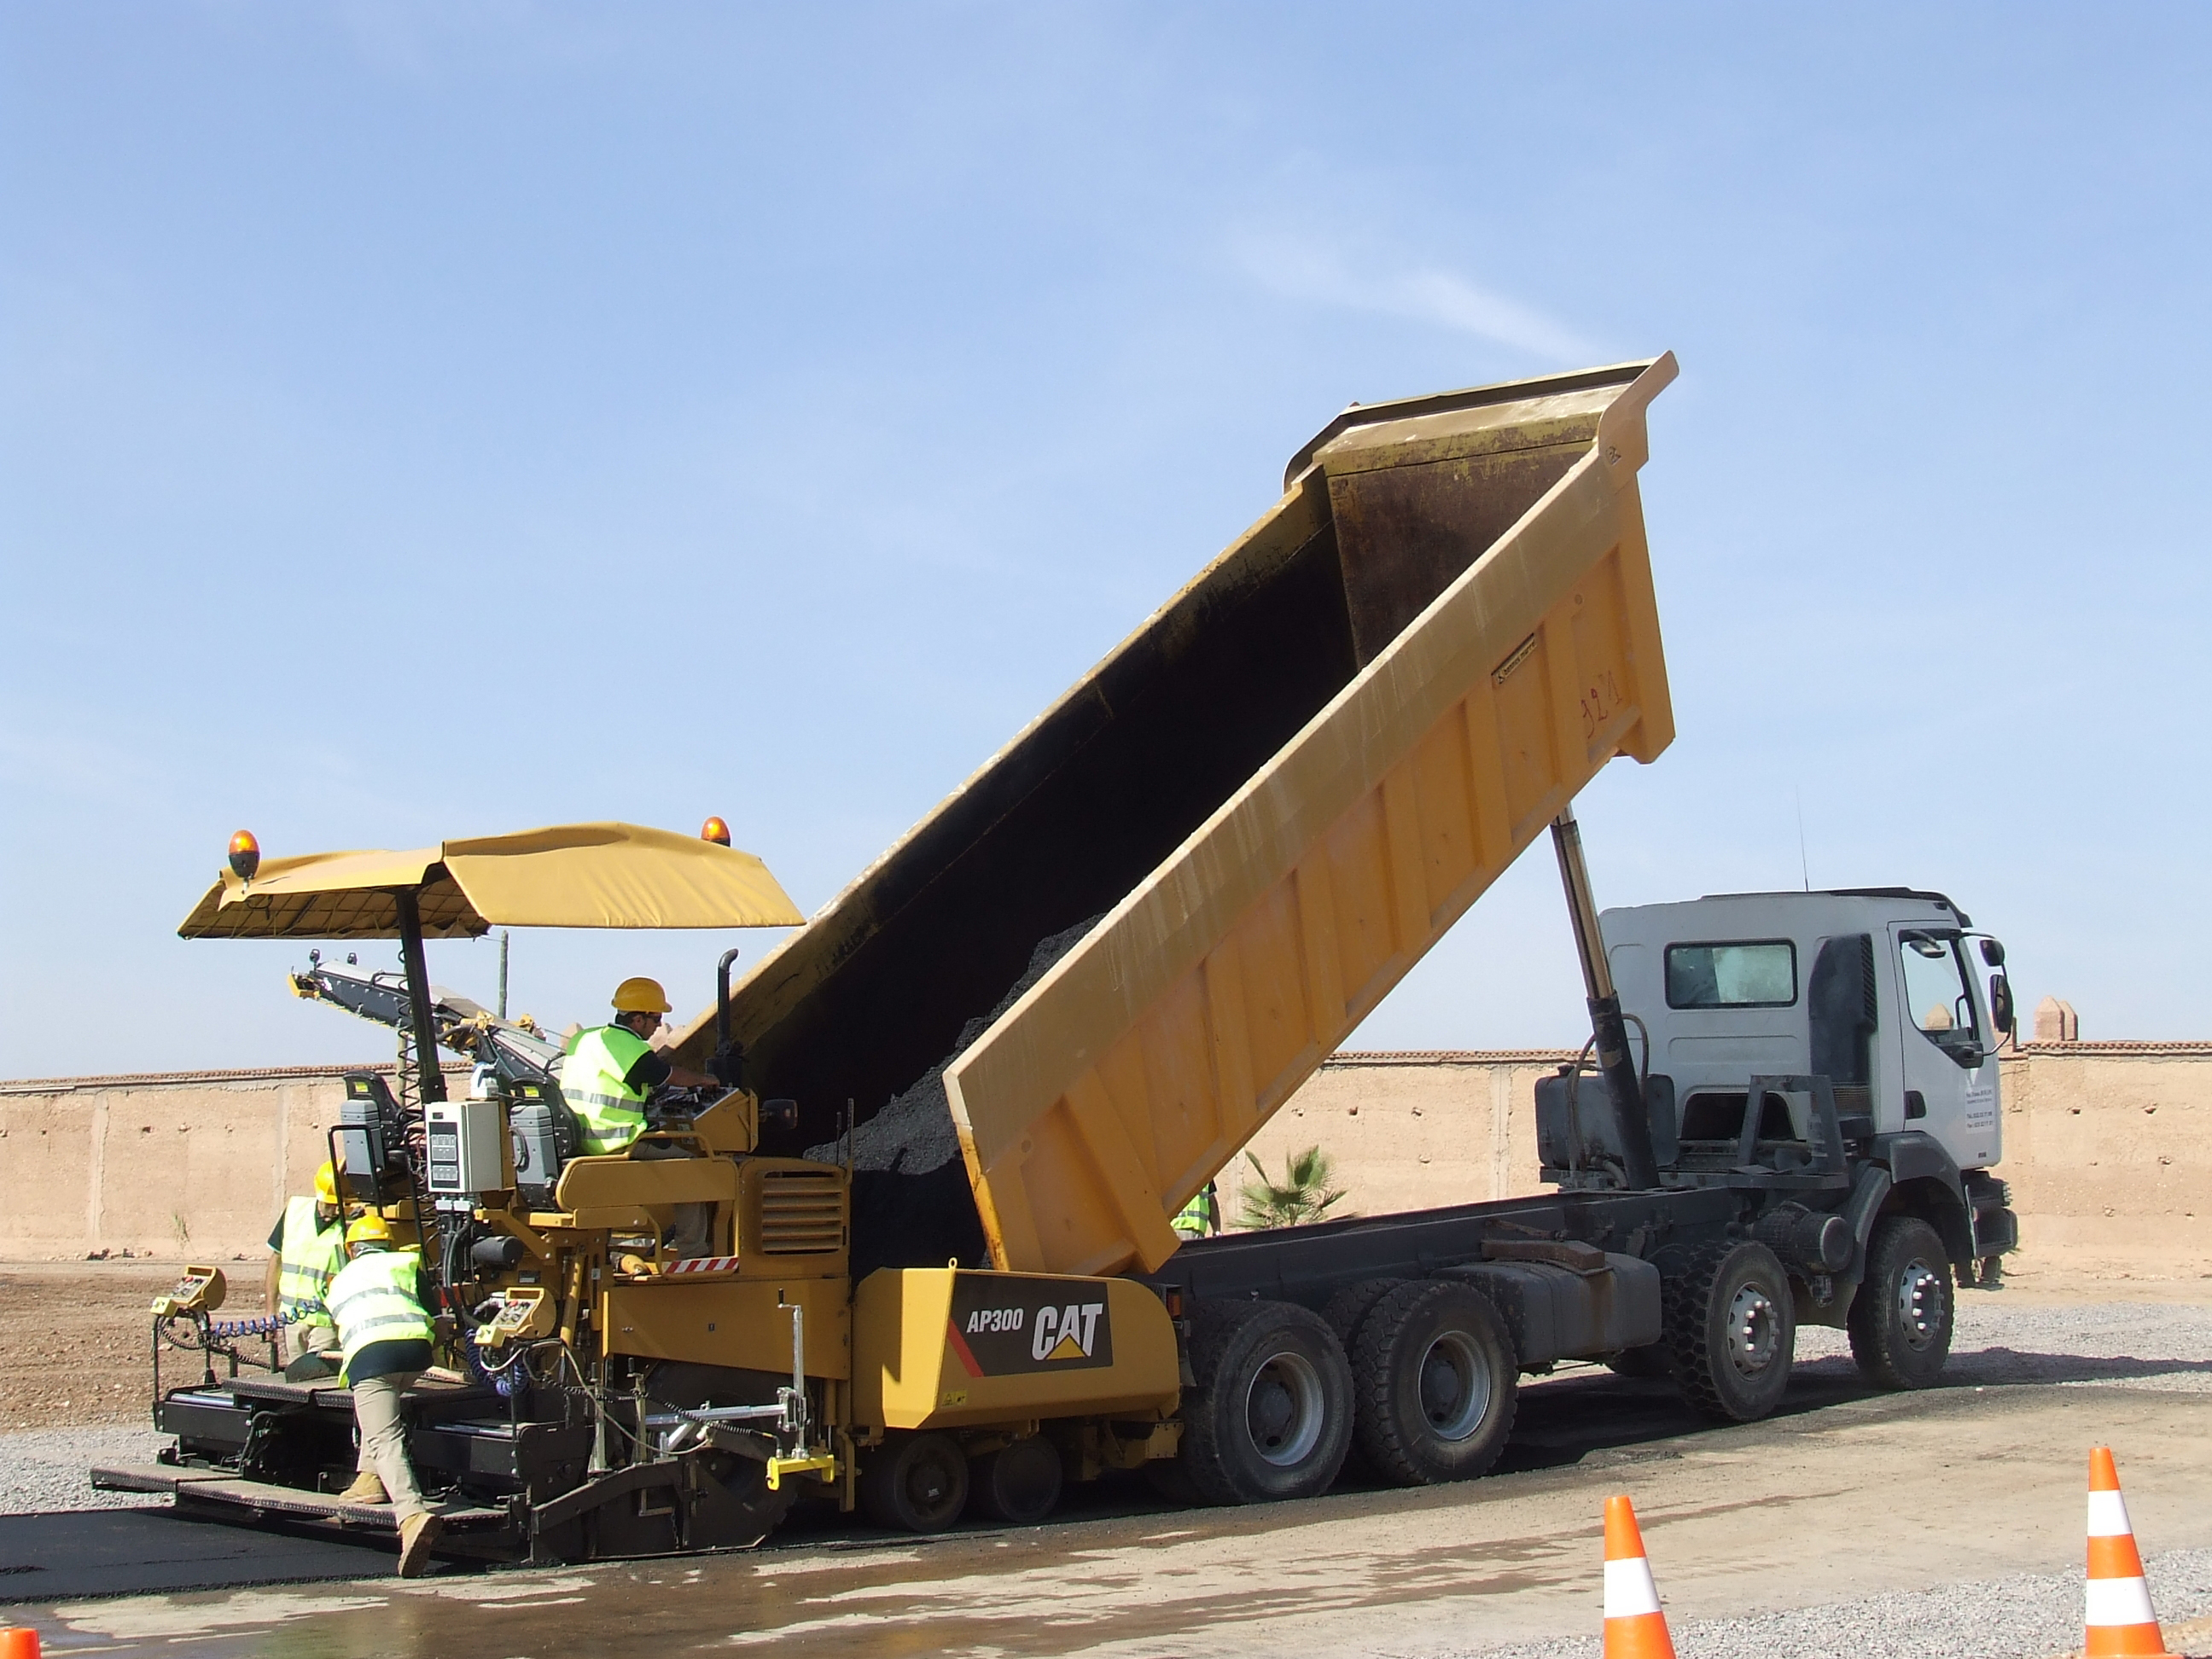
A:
x: 1938, y: 995
x: 1739, y: 973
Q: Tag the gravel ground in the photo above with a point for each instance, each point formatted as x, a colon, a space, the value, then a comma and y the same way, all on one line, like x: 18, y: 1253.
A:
x: 2026, y: 1616
x: 2145, y: 1345
x: 43, y: 1470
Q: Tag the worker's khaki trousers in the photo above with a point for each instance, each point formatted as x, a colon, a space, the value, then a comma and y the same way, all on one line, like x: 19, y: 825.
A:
x: 383, y: 1440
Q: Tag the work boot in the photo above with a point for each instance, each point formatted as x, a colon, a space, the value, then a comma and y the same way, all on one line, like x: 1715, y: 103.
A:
x: 417, y: 1533
x: 366, y: 1489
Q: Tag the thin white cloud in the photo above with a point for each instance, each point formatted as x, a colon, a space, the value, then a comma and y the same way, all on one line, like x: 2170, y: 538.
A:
x: 1426, y: 293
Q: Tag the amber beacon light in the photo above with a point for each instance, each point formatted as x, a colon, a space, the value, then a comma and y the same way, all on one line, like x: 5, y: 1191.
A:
x: 716, y: 831
x: 245, y: 855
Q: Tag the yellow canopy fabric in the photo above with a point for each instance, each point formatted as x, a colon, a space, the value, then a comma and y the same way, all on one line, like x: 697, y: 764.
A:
x: 569, y: 875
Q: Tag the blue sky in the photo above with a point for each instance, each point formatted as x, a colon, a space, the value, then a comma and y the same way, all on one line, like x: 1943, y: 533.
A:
x: 427, y: 420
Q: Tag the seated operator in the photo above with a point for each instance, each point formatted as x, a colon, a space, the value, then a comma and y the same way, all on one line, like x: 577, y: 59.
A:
x: 610, y: 1070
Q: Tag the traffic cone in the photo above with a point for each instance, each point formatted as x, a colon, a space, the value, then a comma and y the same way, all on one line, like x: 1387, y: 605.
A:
x: 2120, y: 1624
x: 19, y: 1641
x: 1634, y: 1626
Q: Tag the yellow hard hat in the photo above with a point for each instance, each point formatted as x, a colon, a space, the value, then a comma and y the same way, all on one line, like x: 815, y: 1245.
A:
x: 368, y: 1228
x: 326, y: 1183
x: 641, y: 996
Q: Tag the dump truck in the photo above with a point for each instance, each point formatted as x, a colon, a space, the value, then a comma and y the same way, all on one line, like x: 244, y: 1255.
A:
x: 958, y: 1105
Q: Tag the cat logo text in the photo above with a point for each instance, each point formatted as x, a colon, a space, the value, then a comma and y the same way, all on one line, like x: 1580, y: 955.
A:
x: 1005, y: 1324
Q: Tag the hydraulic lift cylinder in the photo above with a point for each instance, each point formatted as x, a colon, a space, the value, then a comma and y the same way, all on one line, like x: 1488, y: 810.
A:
x: 1631, y: 1121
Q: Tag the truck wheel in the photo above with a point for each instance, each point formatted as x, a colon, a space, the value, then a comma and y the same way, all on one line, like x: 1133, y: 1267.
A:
x: 1019, y: 1484
x: 1349, y: 1306
x: 1731, y: 1328
x: 1270, y: 1416
x: 915, y: 1483
x: 1434, y: 1375
x: 1900, y: 1320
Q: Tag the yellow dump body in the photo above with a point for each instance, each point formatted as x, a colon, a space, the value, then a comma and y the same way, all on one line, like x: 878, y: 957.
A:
x: 1498, y: 595
x: 1310, y: 761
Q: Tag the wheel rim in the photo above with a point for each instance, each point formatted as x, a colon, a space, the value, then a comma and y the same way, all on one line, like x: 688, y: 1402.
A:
x: 1920, y: 1304
x: 1283, y: 1410
x: 929, y: 1484
x: 1454, y: 1386
x: 1754, y: 1330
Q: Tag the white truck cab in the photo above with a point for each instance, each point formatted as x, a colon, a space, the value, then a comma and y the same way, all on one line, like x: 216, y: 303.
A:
x: 1865, y: 1024
x: 1888, y: 991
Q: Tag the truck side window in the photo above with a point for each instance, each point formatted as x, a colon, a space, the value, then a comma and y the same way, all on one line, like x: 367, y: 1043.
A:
x: 1760, y: 973
x: 1938, y: 996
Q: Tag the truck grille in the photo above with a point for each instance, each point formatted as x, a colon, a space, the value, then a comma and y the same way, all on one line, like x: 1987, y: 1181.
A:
x: 802, y: 1213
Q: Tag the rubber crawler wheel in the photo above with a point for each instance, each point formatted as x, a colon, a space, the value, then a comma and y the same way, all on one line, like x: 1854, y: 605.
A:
x: 916, y: 1483
x: 1731, y: 1330
x: 1435, y: 1376
x: 1270, y: 1415
x: 1019, y: 1484
x: 1901, y: 1320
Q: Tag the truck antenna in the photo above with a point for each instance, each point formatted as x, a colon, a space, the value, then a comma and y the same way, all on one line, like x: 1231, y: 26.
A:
x: 1804, y: 869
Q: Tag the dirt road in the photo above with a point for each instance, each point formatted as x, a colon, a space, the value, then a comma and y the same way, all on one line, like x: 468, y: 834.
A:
x: 74, y: 1337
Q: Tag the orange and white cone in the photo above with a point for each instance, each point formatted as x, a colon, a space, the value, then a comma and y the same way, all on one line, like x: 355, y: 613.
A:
x: 1634, y: 1626
x: 2120, y: 1624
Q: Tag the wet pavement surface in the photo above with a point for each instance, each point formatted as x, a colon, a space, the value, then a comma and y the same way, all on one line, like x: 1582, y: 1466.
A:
x: 1843, y: 1491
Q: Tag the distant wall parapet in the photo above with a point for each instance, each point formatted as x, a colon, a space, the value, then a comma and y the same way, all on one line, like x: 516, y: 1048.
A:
x: 2108, y: 1147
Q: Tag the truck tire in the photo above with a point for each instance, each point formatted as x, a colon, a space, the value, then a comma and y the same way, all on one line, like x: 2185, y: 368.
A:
x: 1345, y: 1311
x: 1018, y: 1485
x: 1730, y: 1329
x: 1434, y: 1375
x: 915, y: 1483
x: 1900, y: 1320
x: 1270, y: 1415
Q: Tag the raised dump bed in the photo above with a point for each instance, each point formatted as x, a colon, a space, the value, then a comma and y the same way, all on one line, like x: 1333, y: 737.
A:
x: 1282, y: 788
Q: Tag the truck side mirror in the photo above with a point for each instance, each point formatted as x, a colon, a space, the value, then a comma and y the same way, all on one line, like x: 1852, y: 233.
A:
x: 2002, y: 1014
x: 1993, y: 952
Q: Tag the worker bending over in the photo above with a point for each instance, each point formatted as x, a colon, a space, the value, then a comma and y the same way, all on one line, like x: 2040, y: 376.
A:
x: 382, y: 1307
x: 307, y: 1246
x: 610, y: 1070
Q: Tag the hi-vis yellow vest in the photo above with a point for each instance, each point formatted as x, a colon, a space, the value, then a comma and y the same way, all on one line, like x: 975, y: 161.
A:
x: 311, y: 1253
x: 1201, y: 1216
x: 608, y: 1110
x: 373, y: 1300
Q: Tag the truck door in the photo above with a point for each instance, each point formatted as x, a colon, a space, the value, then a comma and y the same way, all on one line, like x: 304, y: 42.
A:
x: 1949, y: 1068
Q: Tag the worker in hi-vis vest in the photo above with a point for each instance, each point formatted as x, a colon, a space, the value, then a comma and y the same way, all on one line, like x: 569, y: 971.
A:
x: 307, y: 1245
x: 610, y: 1070
x: 381, y: 1303
x: 1202, y: 1216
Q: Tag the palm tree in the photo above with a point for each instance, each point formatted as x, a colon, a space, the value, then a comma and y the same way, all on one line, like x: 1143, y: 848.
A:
x: 1305, y: 1193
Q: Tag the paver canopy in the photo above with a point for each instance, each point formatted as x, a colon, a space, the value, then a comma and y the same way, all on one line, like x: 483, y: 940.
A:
x: 570, y: 875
